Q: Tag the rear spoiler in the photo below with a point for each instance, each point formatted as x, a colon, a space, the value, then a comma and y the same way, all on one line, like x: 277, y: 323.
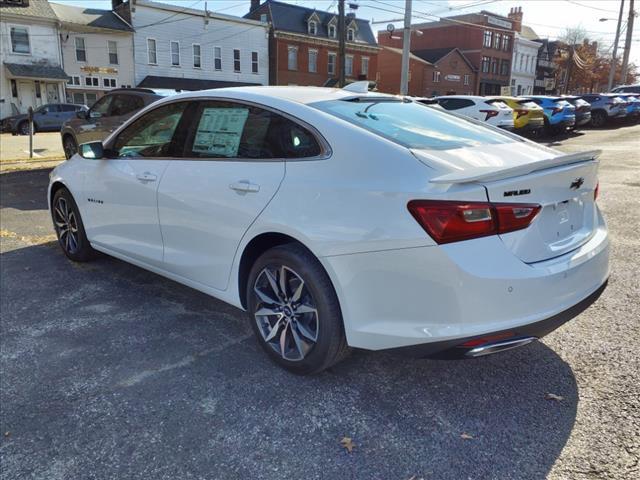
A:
x: 488, y: 174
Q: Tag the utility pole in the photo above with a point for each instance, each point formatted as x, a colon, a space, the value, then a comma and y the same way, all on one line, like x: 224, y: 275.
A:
x: 627, y: 44
x: 406, y: 49
x: 569, y: 68
x: 341, y: 43
x: 614, y: 59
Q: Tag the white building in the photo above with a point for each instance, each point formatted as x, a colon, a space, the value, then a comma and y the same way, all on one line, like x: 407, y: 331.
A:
x: 97, y: 52
x: 523, y: 66
x: 186, y: 49
x: 31, y: 73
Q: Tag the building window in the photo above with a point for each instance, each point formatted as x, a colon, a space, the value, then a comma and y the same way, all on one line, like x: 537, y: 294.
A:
x: 313, y: 61
x: 14, y: 88
x: 504, y: 67
x: 81, y: 51
x: 313, y: 27
x: 20, y: 40
x: 38, y: 89
x: 364, y: 70
x: 175, y: 54
x: 521, y: 61
x: 348, y: 65
x: 506, y: 43
x: 197, y: 57
x: 112, y: 47
x: 497, y: 41
x: 73, y: 80
x: 488, y: 35
x: 109, y: 82
x: 494, y: 65
x: 351, y: 34
x: 292, y: 58
x: 331, y: 63
x: 485, y: 64
x: 467, y: 78
x: 254, y: 62
x: 236, y: 60
x: 152, y: 56
x: 92, y: 81
x: 263, y: 17
x: 217, y: 58
x: 436, y: 76
x: 332, y: 31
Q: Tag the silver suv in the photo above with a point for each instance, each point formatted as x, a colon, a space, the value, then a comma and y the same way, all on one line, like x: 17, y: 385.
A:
x: 605, y: 107
x: 107, y: 114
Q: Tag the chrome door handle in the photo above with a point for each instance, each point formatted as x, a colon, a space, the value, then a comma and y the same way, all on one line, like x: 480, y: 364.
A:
x: 147, y: 177
x: 244, y: 186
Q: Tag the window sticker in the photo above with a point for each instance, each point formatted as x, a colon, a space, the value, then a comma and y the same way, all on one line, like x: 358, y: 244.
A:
x: 219, y: 131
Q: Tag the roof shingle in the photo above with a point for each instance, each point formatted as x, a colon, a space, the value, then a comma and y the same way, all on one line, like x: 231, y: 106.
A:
x: 89, y: 17
x: 32, y: 8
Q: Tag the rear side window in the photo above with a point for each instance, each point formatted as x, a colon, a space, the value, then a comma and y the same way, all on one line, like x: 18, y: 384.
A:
x: 152, y: 134
x: 235, y: 130
x: 125, y: 104
x: 497, y: 102
x: 455, y: 103
x: 412, y: 125
x: 527, y: 103
x: 69, y: 108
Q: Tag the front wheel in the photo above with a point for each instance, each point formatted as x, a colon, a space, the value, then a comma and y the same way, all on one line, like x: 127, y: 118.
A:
x: 69, y: 227
x: 23, y: 128
x: 295, y: 310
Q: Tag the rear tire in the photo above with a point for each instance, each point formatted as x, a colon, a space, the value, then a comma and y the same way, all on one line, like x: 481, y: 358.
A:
x: 69, y: 227
x: 295, y: 311
x: 70, y: 146
x: 598, y: 118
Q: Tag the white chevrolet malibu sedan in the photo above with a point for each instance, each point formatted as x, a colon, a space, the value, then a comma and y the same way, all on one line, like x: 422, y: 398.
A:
x: 341, y: 218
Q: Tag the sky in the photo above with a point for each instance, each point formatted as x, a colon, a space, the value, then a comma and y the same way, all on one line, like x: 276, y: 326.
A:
x: 549, y: 18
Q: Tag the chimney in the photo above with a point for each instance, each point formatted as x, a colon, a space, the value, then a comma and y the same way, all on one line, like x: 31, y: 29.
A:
x: 254, y: 4
x: 515, y: 15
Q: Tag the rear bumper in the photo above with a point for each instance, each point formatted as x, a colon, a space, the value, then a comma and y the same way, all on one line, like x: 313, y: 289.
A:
x: 531, y: 126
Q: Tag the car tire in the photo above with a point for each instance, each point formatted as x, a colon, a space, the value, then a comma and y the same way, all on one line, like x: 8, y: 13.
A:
x: 70, y: 146
x: 299, y: 325
x: 69, y: 227
x: 598, y: 118
x: 23, y: 128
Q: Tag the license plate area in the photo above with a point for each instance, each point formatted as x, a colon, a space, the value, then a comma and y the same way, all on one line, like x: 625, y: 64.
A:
x: 561, y: 221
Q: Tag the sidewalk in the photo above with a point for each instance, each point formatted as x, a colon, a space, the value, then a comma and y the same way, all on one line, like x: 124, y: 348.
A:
x: 14, y: 151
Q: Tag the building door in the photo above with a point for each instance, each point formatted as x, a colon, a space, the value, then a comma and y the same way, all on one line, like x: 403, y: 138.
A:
x: 52, y: 93
x: 26, y: 96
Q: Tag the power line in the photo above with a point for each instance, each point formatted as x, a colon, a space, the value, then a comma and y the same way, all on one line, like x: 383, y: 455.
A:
x: 589, y: 6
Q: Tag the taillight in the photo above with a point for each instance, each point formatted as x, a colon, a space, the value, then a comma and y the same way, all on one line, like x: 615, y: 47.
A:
x: 596, y: 192
x: 521, y: 113
x: 490, y: 113
x: 451, y: 221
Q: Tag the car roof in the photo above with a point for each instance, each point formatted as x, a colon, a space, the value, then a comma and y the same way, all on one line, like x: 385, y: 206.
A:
x: 466, y: 97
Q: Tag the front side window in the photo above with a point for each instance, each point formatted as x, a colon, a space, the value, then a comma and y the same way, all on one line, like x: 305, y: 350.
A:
x: 197, y: 58
x: 152, y: 56
x: 236, y: 60
x: 411, y: 125
x: 113, y: 52
x: 313, y: 61
x: 175, y: 54
x: 101, y: 107
x: 292, y: 58
x: 125, y: 104
x: 254, y: 62
x: 348, y: 65
x: 331, y: 63
x: 152, y: 134
x: 235, y: 130
x: 81, y: 51
x: 217, y: 58
x: 20, y: 40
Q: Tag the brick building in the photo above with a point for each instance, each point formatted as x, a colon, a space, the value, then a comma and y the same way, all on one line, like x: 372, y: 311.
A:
x: 303, y: 45
x: 439, y: 71
x: 484, y: 38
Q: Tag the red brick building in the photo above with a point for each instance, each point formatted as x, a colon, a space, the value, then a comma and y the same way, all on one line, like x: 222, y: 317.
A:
x: 484, y: 38
x: 441, y: 71
x: 303, y: 45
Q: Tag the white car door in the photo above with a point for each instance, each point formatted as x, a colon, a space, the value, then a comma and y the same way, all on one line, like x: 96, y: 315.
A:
x: 121, y: 211
x: 233, y: 164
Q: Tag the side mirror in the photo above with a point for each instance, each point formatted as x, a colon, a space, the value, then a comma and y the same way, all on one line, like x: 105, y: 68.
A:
x: 82, y: 114
x: 93, y: 114
x: 93, y: 150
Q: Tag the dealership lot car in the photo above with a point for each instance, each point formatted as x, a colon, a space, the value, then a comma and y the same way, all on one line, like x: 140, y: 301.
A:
x: 48, y: 117
x: 490, y: 110
x: 605, y: 107
x: 559, y: 114
x: 527, y: 116
x: 583, y: 110
x: 343, y: 218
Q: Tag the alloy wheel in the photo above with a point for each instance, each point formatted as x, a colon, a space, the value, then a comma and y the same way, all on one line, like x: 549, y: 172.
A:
x: 286, y: 312
x: 69, y: 147
x: 66, y: 225
x: 23, y: 128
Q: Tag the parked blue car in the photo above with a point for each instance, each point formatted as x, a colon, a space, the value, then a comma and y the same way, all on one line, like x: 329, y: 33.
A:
x: 583, y: 110
x: 48, y: 117
x: 558, y: 113
x: 633, y: 105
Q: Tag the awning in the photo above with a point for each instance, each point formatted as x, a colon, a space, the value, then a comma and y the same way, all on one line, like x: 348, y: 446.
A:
x: 180, y: 83
x: 36, y: 72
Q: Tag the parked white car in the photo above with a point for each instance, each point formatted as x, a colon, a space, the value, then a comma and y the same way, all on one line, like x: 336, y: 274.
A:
x: 490, y: 110
x: 342, y: 218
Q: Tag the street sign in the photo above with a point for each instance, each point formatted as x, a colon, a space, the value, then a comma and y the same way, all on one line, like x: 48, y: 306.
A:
x: 390, y: 28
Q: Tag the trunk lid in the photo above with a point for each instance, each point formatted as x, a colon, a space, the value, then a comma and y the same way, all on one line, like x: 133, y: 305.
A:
x: 563, y: 185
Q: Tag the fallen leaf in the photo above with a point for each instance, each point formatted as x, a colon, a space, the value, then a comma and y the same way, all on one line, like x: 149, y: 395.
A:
x: 348, y: 444
x: 552, y: 396
x: 466, y: 436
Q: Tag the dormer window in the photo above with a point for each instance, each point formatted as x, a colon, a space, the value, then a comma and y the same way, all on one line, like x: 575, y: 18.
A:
x: 313, y: 27
x: 332, y: 31
x: 351, y: 34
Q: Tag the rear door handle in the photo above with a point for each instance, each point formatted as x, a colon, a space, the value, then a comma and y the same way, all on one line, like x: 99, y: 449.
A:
x: 147, y: 177
x: 244, y: 186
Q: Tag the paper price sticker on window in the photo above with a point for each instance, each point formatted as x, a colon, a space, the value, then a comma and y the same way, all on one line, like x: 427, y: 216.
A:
x: 220, y: 130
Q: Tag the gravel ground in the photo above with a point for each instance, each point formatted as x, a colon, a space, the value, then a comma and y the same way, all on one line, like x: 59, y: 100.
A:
x: 111, y: 372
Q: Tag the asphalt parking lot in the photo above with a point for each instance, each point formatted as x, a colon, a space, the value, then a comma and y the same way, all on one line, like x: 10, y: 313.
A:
x: 110, y: 372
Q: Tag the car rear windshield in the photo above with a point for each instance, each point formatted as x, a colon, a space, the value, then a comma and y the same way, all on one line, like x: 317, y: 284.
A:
x: 413, y: 125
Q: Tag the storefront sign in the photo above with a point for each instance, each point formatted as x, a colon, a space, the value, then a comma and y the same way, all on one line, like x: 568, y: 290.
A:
x: 505, y: 90
x: 109, y: 70
x: 452, y: 78
x: 499, y: 23
x: 549, y: 83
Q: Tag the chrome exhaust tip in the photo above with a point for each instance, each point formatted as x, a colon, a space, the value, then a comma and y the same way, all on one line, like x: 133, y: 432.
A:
x: 496, y: 347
